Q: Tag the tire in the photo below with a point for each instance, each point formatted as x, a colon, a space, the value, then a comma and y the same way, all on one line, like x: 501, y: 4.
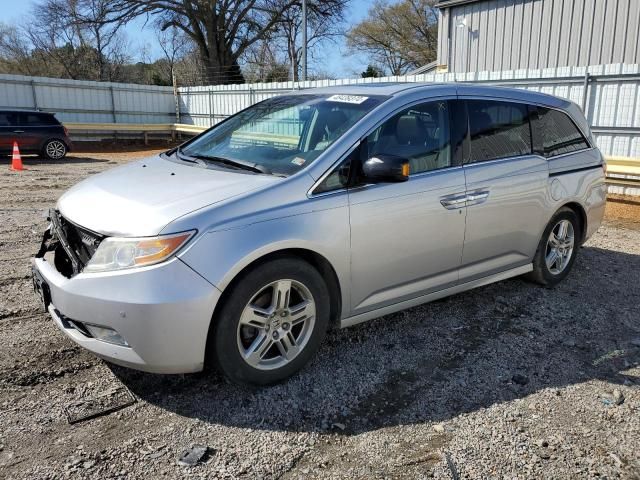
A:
x: 54, y: 149
x: 258, y: 339
x: 566, y: 244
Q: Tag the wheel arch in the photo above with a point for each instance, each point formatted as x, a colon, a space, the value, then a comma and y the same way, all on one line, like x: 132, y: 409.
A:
x: 315, y: 259
x: 582, y: 217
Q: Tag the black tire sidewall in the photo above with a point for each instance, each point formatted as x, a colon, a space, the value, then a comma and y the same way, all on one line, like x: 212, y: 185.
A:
x: 540, y: 265
x: 226, y: 355
x: 44, y: 149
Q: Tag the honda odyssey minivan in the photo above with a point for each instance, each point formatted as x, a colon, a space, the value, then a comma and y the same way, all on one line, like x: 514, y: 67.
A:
x: 315, y: 209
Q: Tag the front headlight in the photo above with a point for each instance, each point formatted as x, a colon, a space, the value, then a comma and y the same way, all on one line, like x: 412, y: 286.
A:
x: 120, y: 253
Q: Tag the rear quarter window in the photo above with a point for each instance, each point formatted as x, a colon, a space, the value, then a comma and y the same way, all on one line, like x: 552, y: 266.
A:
x: 38, y: 120
x: 558, y: 134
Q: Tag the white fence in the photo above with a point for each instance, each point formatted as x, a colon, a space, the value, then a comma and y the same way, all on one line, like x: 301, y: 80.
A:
x: 609, y: 94
x: 89, y: 102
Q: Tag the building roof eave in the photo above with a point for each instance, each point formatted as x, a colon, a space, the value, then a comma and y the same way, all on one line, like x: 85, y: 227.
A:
x: 453, y: 3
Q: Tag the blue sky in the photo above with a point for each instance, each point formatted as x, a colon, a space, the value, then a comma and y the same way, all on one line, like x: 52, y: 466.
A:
x: 338, y: 65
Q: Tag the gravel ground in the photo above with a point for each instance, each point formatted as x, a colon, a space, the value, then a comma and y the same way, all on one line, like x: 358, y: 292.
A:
x: 506, y: 381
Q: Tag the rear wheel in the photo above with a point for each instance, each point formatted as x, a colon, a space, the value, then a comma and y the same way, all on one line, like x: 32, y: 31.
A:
x: 557, y: 249
x: 272, y: 322
x: 54, y: 149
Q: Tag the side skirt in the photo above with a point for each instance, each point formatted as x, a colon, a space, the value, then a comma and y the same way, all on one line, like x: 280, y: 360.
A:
x: 396, y: 307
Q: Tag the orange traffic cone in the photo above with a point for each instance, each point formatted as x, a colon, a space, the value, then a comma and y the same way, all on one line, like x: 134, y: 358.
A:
x: 16, y: 159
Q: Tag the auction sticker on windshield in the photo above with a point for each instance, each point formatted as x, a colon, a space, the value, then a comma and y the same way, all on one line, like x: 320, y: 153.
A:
x: 357, y: 99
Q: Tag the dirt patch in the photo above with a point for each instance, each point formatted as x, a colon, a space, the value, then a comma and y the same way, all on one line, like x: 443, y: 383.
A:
x: 510, y: 380
x: 623, y: 211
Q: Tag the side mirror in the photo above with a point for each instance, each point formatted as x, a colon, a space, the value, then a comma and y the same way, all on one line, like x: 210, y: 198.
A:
x: 386, y: 168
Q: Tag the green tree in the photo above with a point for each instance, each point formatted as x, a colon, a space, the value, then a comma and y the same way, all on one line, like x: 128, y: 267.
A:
x: 371, y: 72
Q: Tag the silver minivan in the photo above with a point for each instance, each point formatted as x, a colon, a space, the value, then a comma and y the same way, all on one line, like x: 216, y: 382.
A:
x: 320, y: 208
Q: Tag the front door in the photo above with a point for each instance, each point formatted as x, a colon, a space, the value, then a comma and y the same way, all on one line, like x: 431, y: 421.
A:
x: 406, y: 238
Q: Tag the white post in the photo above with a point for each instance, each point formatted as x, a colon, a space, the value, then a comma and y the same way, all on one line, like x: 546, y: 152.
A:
x: 304, y: 40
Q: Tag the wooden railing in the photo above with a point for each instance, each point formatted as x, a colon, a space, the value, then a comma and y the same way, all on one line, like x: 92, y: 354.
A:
x: 143, y: 128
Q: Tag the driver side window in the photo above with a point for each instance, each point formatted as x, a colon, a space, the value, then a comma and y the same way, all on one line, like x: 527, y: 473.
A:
x: 420, y: 134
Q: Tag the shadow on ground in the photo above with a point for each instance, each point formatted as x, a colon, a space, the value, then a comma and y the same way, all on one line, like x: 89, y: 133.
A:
x: 437, y: 361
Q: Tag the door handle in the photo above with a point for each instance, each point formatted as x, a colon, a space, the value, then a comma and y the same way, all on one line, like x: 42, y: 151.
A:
x: 477, y: 198
x: 452, y: 202
x: 18, y: 131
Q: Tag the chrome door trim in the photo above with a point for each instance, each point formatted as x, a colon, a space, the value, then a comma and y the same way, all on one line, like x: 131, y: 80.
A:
x: 431, y: 172
x: 555, y: 157
x: 505, y: 159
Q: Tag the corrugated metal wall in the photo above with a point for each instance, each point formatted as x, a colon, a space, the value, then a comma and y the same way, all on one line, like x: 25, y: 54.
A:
x: 89, y: 102
x: 524, y: 34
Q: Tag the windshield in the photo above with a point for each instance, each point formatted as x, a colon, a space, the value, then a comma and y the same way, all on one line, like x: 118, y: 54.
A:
x: 283, y: 134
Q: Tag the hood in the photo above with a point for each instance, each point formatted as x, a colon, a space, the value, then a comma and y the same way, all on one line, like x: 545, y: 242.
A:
x: 142, y: 197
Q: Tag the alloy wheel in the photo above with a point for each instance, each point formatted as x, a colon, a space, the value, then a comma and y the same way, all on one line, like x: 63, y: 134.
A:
x: 276, y: 324
x: 560, y: 247
x: 56, y: 149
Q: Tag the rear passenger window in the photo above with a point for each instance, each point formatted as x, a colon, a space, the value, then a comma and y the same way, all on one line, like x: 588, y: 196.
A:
x: 558, y: 132
x: 498, y: 130
x: 36, y: 120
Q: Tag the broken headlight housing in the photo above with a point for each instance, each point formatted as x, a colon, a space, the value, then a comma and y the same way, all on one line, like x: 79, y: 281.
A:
x: 121, y: 253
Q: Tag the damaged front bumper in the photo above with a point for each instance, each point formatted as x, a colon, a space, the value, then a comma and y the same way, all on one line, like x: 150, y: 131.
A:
x: 159, y: 315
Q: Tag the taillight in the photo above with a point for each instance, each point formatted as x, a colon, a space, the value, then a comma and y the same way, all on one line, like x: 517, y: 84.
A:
x: 66, y: 132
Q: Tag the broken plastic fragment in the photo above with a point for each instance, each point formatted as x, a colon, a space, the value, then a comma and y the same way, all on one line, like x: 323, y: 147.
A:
x: 193, y: 455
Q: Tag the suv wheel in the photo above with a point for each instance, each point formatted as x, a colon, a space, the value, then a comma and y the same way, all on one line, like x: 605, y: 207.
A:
x: 54, y: 149
x: 557, y: 249
x: 272, y: 322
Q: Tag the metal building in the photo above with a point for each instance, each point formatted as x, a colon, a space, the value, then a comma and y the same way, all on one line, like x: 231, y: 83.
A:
x: 481, y: 35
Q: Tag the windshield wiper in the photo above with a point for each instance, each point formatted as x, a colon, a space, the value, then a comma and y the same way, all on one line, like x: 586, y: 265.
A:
x: 178, y: 153
x: 252, y: 167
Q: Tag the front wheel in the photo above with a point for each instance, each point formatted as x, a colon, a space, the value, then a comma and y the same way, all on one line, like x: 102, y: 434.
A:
x: 54, y: 149
x: 557, y: 249
x: 272, y: 322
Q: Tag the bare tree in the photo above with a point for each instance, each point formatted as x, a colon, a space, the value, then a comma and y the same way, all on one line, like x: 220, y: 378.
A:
x: 16, y: 52
x: 99, y: 22
x: 82, y: 36
x: 174, y: 45
x: 397, y: 36
x: 263, y: 63
x: 53, y: 37
x: 222, y: 30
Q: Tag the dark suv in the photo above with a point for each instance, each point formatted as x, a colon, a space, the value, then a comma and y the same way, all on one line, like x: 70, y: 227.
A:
x: 35, y: 132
